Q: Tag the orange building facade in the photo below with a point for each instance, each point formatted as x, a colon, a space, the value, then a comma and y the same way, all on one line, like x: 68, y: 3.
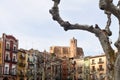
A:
x: 22, y: 65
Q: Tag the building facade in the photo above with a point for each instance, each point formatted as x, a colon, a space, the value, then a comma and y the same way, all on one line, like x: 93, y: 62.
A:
x: 87, y: 68
x: 1, y: 59
x: 65, y: 69
x: 9, y: 56
x: 21, y: 65
x: 71, y: 51
x: 79, y: 69
x: 32, y: 64
x: 68, y: 54
x: 98, y: 67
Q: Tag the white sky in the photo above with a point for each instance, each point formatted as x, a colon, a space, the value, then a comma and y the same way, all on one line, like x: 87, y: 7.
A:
x: 30, y: 22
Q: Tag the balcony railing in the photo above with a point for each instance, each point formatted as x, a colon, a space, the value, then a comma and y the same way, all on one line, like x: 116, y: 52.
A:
x: 15, y: 51
x: 14, y: 60
x: 13, y: 73
x: 93, y: 63
x: 6, y: 72
x: 100, y: 69
x: 100, y: 62
x: 7, y: 59
x: 7, y: 48
x: 93, y: 70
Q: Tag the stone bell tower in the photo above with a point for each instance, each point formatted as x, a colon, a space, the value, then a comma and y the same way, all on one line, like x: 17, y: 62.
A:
x: 73, y: 47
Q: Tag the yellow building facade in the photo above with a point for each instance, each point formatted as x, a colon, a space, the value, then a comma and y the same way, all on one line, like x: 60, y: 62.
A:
x: 22, y: 65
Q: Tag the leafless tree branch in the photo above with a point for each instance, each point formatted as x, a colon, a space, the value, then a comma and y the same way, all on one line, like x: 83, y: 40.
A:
x: 102, y: 34
x: 107, y: 28
x: 109, y: 6
x: 68, y: 26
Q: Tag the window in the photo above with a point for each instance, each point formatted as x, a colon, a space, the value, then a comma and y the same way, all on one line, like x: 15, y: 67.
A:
x: 7, y: 45
x: 93, y: 61
x: 22, y: 56
x: 14, y: 58
x: 93, y: 68
x: 6, y: 71
x: 7, y: 56
x: 100, y: 60
x: 101, y: 67
x: 13, y: 71
x: 14, y: 48
x: 28, y: 59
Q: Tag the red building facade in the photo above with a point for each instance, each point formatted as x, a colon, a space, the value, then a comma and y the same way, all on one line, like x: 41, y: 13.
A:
x: 10, y: 48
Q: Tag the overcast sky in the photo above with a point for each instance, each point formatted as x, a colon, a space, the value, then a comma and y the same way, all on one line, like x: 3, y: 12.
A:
x: 30, y: 22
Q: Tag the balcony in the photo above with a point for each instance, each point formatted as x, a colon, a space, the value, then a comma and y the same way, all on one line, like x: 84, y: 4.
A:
x: 93, y: 70
x: 100, y: 62
x: 7, y: 48
x: 13, y: 73
x: 93, y: 63
x: 7, y: 59
x: 14, y: 60
x: 15, y: 51
x: 100, y: 69
x: 6, y: 72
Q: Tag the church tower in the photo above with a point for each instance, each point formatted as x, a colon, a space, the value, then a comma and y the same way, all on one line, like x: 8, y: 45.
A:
x: 73, y: 47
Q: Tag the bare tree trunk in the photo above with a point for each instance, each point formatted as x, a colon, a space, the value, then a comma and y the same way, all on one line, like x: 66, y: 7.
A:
x: 117, y: 63
x: 102, y: 34
x: 117, y: 68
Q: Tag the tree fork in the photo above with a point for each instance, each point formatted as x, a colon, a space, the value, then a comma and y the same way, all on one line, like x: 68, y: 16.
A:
x: 102, y: 34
